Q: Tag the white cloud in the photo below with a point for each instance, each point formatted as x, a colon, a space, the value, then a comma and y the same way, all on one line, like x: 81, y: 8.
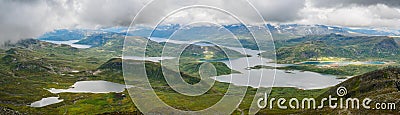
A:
x: 347, y: 3
x: 279, y: 10
x: 21, y: 19
x: 24, y: 19
x: 378, y: 15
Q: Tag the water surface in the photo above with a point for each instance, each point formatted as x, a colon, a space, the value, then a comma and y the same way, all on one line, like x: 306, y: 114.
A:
x: 91, y: 87
x: 152, y: 59
x: 342, y: 63
x: 69, y: 42
x: 46, y: 101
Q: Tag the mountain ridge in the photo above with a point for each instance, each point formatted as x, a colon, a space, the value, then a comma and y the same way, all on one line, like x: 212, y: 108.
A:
x: 280, y: 31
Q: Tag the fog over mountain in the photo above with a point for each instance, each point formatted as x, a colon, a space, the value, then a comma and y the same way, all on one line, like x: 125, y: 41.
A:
x: 21, y: 19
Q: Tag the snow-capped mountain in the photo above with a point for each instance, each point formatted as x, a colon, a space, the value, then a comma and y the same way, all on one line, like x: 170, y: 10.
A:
x: 373, y: 31
x: 197, y: 32
x: 301, y: 30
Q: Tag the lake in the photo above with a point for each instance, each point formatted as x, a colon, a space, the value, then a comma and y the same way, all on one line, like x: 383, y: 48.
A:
x: 69, y: 42
x: 342, y: 63
x: 152, y: 59
x: 46, y: 101
x: 81, y: 87
x: 91, y: 87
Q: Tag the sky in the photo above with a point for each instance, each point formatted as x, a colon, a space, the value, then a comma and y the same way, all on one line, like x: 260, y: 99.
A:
x: 20, y: 19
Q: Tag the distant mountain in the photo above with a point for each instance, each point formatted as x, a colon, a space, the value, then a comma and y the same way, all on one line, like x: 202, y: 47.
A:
x: 63, y: 35
x: 303, y: 30
x: 279, y: 30
x: 114, y: 42
x: 223, y: 35
x: 373, y: 31
x: 99, y: 39
x: 288, y: 30
x: 212, y: 32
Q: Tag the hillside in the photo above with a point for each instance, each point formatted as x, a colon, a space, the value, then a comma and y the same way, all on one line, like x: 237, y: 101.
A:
x: 188, y: 69
x: 113, y: 67
x: 397, y: 40
x: 381, y: 86
x: 334, y: 45
x: 99, y: 39
x: 26, y: 74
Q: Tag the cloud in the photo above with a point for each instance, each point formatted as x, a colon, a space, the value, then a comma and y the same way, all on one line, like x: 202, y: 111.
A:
x: 270, y: 10
x: 20, y: 19
x: 30, y: 18
x: 378, y: 15
x: 279, y: 10
x: 347, y: 3
x: 107, y: 12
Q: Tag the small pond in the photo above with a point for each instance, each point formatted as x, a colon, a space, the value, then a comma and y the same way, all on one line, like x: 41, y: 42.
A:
x: 46, y: 101
x: 91, y: 87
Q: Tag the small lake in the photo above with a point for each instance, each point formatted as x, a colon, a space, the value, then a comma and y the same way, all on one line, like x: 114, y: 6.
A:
x: 342, y: 63
x: 152, y: 59
x: 69, y: 42
x: 81, y: 87
x: 46, y: 101
x: 156, y: 39
x: 91, y: 87
x: 298, y: 79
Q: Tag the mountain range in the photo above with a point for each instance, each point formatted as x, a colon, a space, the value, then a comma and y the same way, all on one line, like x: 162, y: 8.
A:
x: 281, y: 31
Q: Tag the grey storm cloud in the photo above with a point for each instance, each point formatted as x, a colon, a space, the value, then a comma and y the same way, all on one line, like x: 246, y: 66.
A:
x: 21, y: 19
x: 270, y: 10
x: 354, y: 13
x: 279, y: 10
